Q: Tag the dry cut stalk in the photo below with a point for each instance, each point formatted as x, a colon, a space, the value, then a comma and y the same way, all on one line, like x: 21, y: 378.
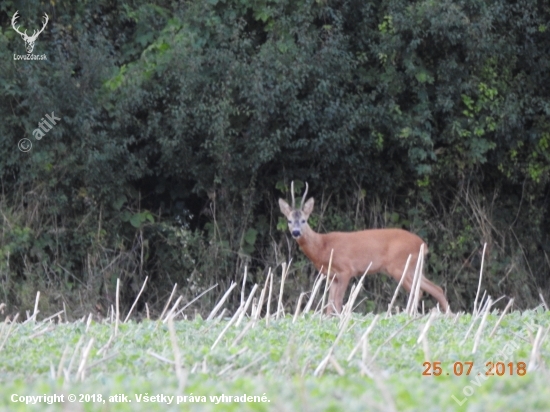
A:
x: 169, y: 300
x: 233, y: 319
x: 474, y: 320
x: 280, y: 308
x: 336, y: 365
x: 67, y: 372
x: 48, y: 328
x: 244, y: 284
x: 221, y: 302
x: 426, y: 327
x: 117, y: 306
x: 194, y: 300
x: 316, y: 286
x: 481, y: 304
x: 297, y: 312
x: 320, y: 369
x: 419, y: 281
x: 348, y: 307
x: 177, y: 355
x: 535, y: 351
x: 97, y: 362
x: 53, y: 316
x: 243, y: 332
x: 81, y: 369
x: 160, y: 358
x: 323, y: 306
x: 413, y: 295
x: 258, y: 312
x: 482, y: 324
x: 244, y: 368
x: 398, y: 286
x: 35, y: 313
x: 393, y: 335
x: 62, y: 361
x: 106, y: 346
x: 426, y: 349
x: 9, y: 331
x: 247, y: 304
x: 501, y: 316
x: 88, y: 323
x: 543, y: 301
x: 135, y: 301
x: 363, y: 337
x: 65, y: 312
x: 269, y: 300
x: 327, y: 280
x: 480, y: 277
x: 220, y: 316
x: 171, y: 312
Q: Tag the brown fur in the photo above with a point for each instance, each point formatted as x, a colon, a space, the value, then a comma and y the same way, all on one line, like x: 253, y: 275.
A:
x: 387, y: 249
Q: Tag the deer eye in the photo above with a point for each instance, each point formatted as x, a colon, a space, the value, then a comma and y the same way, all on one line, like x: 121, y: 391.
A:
x: 290, y: 222
x: 303, y: 221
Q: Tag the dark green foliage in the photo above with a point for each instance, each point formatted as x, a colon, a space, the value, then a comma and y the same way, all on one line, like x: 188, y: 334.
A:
x: 183, y: 123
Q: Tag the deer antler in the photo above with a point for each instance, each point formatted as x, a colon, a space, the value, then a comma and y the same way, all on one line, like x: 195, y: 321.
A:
x: 304, y: 197
x: 292, y: 194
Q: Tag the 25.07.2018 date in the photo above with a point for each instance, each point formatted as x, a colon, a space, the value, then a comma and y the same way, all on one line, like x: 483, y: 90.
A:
x: 498, y: 368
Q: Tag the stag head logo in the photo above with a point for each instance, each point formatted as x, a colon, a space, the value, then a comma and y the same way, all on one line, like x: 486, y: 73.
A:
x: 29, y: 40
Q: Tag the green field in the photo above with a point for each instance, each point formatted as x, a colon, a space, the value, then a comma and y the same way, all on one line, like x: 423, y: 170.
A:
x: 279, y: 364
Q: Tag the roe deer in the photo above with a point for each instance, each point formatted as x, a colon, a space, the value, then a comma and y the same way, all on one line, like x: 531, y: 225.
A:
x: 387, y: 249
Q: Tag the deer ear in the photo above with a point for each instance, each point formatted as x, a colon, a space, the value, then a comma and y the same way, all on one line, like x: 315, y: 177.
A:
x: 308, y: 207
x: 285, y: 207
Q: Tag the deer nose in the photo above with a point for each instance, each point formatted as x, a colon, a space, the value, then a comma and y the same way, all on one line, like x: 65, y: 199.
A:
x: 296, y: 233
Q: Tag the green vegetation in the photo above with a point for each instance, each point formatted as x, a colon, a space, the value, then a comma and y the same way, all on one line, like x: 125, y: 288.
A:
x: 177, y: 127
x: 181, y: 123
x: 281, y: 360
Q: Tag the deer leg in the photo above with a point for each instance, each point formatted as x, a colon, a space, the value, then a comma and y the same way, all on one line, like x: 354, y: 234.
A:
x: 343, y: 283
x: 436, y: 292
x: 407, y: 283
x: 331, y: 307
x: 336, y: 294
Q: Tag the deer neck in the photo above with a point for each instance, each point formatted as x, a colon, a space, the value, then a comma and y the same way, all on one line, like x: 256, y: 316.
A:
x: 311, y: 244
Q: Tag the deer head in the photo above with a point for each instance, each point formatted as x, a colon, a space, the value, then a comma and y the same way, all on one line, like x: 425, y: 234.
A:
x: 297, y: 218
x: 29, y: 40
